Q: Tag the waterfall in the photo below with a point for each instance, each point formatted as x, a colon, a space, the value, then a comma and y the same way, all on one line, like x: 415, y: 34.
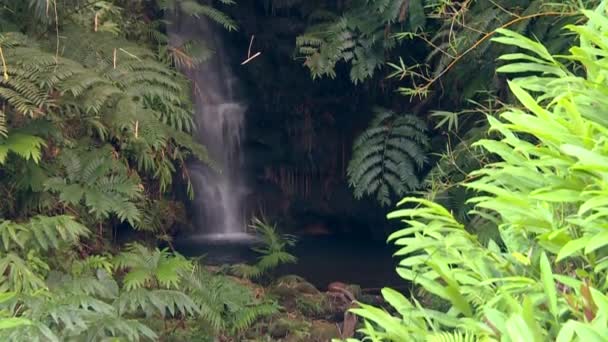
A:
x: 219, y: 115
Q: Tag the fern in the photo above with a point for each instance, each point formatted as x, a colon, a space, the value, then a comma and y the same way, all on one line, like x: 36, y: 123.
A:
x: 387, y: 155
x: 226, y: 305
x: 147, y: 268
x: 157, y: 301
x: 24, y: 145
x: 196, y: 9
x: 3, y: 128
x: 272, y: 250
x: 41, y: 232
x: 99, y: 181
x: 356, y: 37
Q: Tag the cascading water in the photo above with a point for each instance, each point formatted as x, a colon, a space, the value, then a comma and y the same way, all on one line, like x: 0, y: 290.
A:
x: 219, y: 194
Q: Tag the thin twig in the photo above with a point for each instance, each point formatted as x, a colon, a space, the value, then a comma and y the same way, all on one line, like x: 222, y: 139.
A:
x: 56, y: 31
x: 5, y: 69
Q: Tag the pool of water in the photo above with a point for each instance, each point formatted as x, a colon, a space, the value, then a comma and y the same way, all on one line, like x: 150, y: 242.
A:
x: 321, y: 260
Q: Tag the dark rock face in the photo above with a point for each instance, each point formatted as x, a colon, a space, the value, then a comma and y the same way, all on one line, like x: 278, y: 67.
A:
x: 299, y: 131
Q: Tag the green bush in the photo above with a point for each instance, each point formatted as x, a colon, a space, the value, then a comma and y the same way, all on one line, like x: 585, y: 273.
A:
x: 547, y: 277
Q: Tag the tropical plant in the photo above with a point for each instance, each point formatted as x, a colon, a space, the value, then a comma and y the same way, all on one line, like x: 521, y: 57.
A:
x: 387, y: 156
x: 547, y: 278
x: 272, y: 250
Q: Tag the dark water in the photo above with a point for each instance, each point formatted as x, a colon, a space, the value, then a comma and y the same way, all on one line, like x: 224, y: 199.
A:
x: 321, y: 260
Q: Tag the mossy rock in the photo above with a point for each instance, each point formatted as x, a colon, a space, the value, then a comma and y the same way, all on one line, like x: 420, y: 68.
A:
x: 323, y: 331
x: 307, y: 288
x: 314, y: 306
x: 290, y: 279
x: 282, y: 327
x: 291, y: 286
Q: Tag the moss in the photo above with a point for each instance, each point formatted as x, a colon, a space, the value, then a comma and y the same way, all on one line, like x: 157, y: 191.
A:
x: 288, y: 326
x: 323, y: 331
x: 313, y: 305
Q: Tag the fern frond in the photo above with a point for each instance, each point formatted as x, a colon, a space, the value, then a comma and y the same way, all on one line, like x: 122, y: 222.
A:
x: 386, y: 155
x: 196, y: 9
x: 96, y: 179
x: 3, y: 128
x: 147, y: 266
x: 42, y: 232
x: 24, y: 145
x: 162, y: 302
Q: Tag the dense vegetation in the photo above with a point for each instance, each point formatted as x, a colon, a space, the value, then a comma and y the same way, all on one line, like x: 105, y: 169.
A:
x: 94, y: 131
x: 505, y: 231
x: 545, y: 278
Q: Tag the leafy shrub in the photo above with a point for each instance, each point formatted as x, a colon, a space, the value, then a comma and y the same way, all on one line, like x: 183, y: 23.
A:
x: 548, y: 279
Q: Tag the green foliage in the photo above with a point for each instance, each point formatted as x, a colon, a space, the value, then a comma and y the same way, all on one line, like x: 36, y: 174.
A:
x: 387, y: 155
x: 197, y: 9
x: 547, y: 281
x: 272, y: 250
x: 98, y: 180
x: 358, y: 37
x: 96, y: 122
x: 24, y: 145
x: 48, y: 294
x: 151, y: 268
x: 227, y: 306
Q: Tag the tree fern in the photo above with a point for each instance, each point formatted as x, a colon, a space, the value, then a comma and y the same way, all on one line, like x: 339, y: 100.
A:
x: 387, y: 155
x: 102, y: 86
